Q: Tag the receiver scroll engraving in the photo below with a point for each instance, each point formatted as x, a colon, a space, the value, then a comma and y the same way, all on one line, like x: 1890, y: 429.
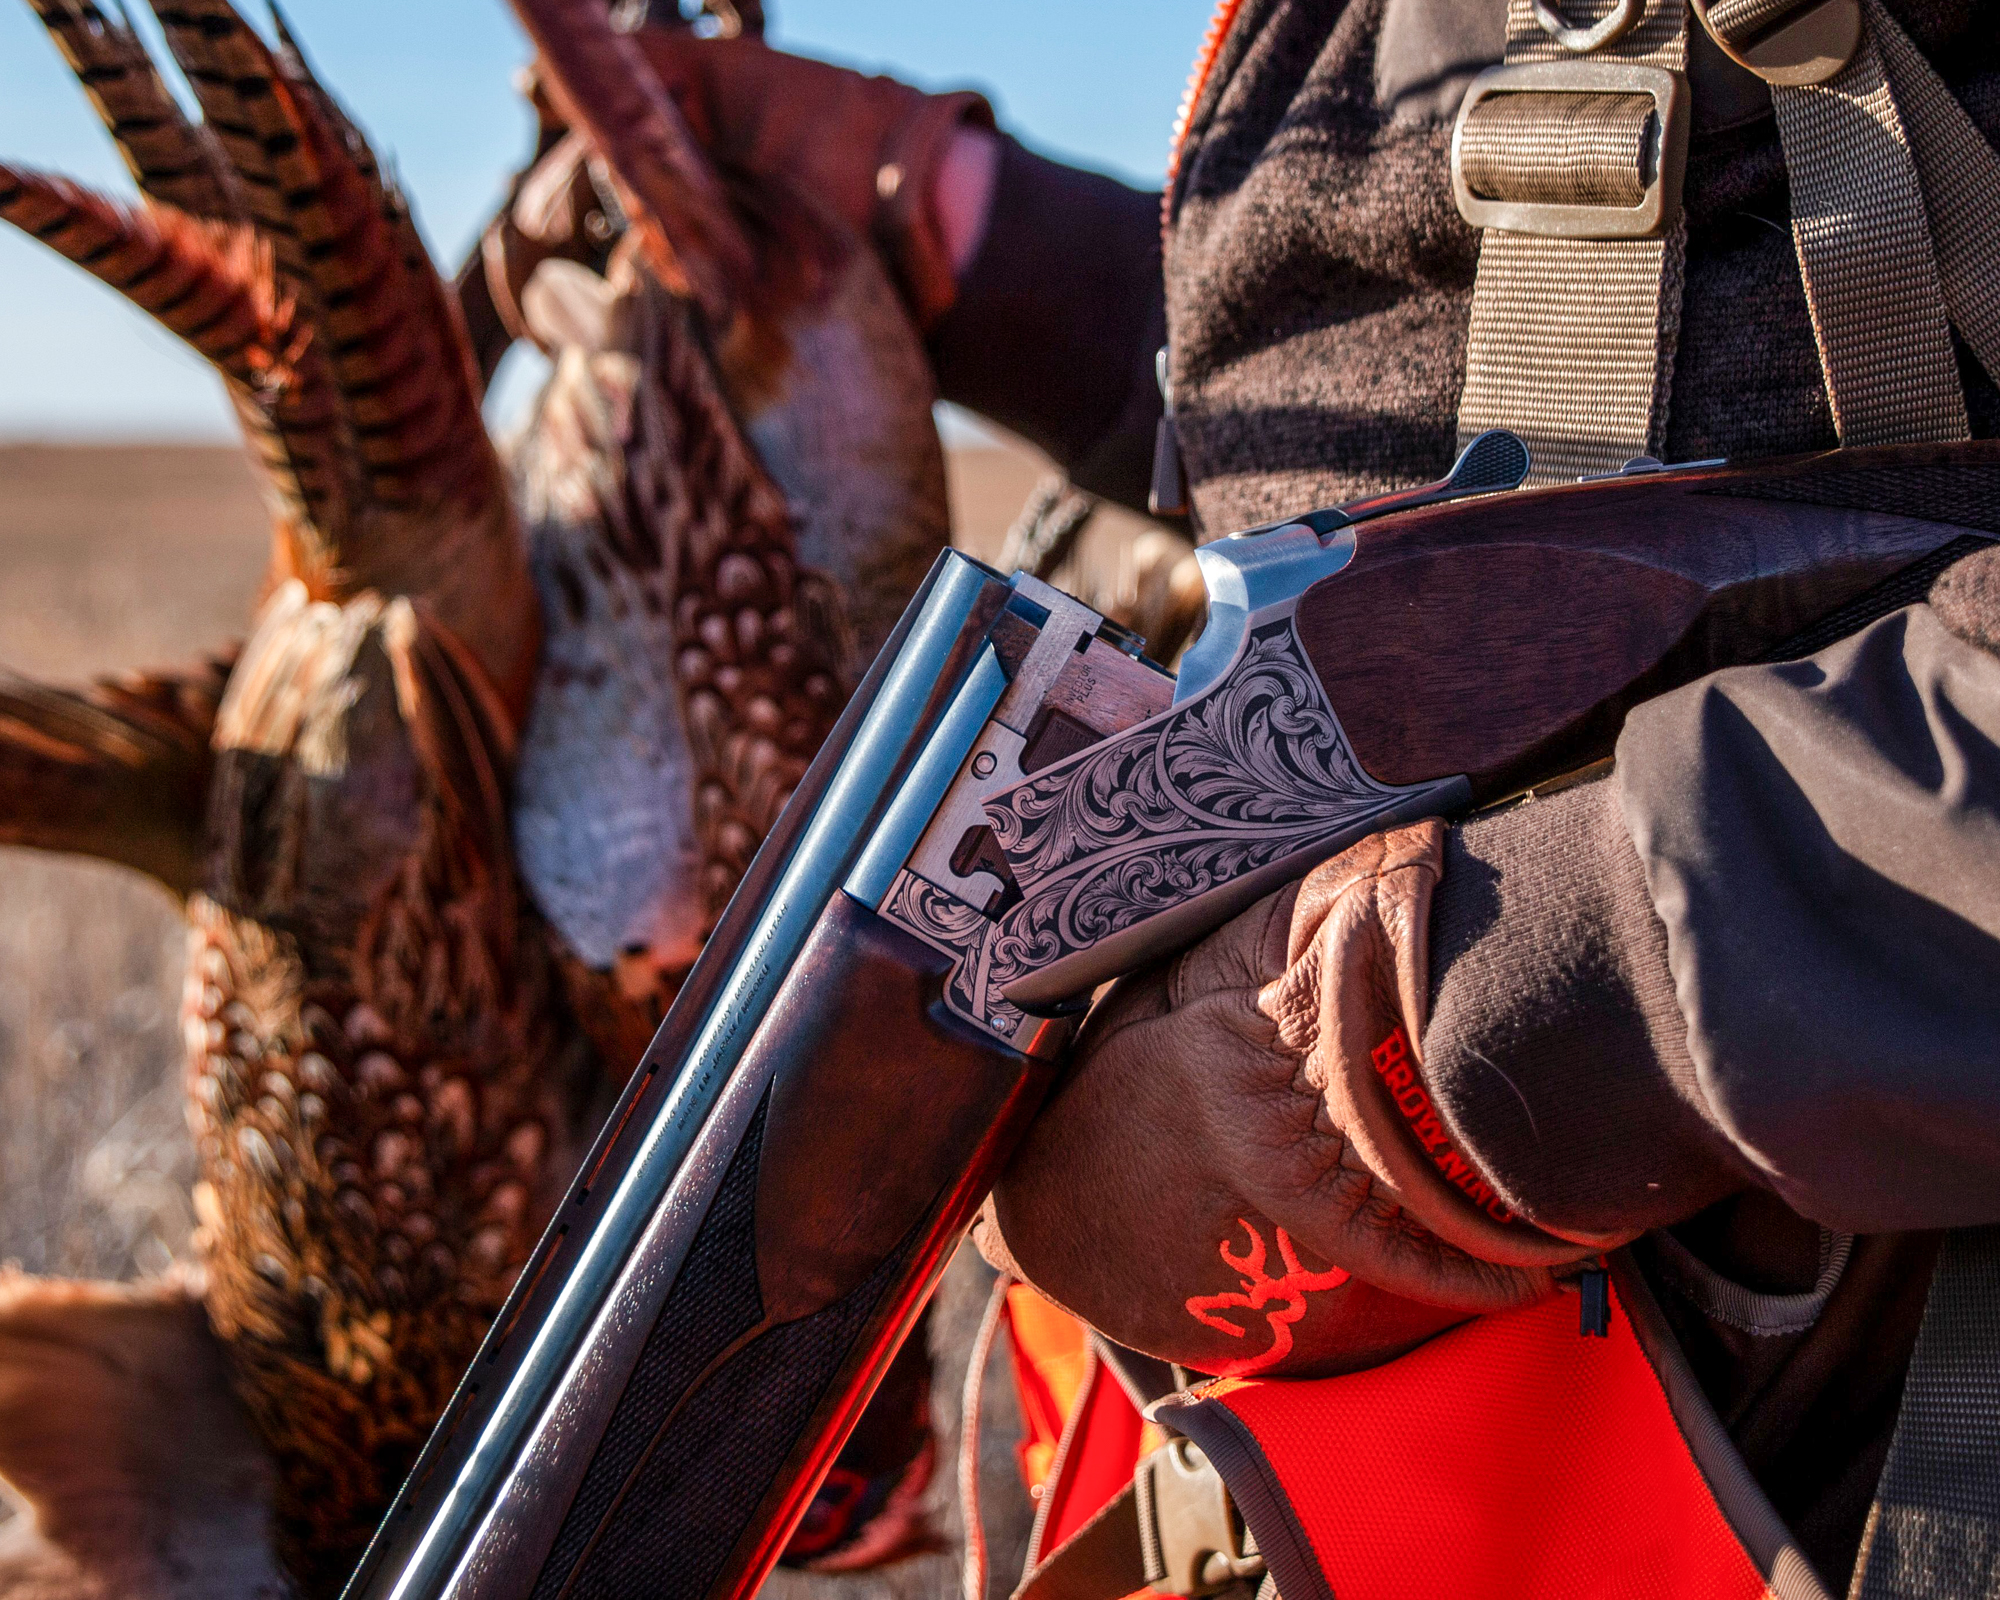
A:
x: 1177, y: 823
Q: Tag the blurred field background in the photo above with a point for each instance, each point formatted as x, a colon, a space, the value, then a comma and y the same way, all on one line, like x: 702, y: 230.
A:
x: 116, y: 557
x: 110, y: 558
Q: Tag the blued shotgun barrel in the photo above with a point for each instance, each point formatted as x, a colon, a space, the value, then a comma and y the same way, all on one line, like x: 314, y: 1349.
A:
x: 736, y: 1264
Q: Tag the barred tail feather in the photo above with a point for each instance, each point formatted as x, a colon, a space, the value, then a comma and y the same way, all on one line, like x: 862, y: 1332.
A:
x: 213, y: 286
x: 173, y: 160
x: 197, y: 281
x: 397, y: 351
x: 246, y: 107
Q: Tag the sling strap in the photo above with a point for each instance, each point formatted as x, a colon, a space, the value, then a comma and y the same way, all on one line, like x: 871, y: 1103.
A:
x: 1933, y: 1532
x: 1895, y: 198
x: 1895, y: 210
x: 1960, y: 173
x: 1569, y: 155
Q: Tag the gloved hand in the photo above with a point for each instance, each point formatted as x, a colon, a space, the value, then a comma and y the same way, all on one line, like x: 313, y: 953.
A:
x: 1244, y: 1172
x: 868, y: 149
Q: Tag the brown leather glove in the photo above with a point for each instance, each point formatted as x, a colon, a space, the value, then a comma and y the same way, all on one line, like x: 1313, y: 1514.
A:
x: 866, y: 148
x: 1244, y: 1172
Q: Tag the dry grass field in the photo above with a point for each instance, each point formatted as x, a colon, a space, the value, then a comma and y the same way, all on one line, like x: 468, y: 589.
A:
x: 109, y: 559
x: 115, y: 558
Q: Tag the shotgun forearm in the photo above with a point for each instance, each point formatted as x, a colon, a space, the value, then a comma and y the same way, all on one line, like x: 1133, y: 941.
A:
x: 1015, y: 808
x: 736, y: 1353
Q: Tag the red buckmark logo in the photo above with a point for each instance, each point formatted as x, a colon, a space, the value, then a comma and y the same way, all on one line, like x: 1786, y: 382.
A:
x: 1282, y: 1301
x: 1399, y: 1075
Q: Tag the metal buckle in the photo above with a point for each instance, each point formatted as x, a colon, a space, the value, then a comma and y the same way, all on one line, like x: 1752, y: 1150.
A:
x: 1192, y: 1538
x: 1656, y: 212
x: 1811, y: 43
x: 1622, y: 19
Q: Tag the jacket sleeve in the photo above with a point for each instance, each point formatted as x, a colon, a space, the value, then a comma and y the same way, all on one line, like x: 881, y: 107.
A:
x: 1057, y: 320
x: 1767, y: 950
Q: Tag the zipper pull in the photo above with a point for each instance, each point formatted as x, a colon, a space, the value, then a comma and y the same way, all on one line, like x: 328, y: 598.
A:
x: 1167, y: 497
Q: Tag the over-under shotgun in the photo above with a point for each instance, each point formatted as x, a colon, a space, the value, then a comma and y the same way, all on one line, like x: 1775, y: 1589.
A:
x: 1017, y: 806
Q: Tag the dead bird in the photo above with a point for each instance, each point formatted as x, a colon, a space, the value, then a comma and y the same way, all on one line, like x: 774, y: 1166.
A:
x: 402, y: 816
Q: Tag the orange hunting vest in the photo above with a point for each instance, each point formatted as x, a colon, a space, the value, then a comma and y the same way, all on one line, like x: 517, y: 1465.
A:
x: 1512, y: 1456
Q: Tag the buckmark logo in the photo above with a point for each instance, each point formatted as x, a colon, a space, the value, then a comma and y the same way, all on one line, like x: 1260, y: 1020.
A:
x: 1282, y: 1301
x: 1394, y: 1067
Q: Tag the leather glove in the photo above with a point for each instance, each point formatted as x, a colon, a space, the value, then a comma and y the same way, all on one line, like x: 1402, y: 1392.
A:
x: 866, y: 148
x: 1244, y: 1171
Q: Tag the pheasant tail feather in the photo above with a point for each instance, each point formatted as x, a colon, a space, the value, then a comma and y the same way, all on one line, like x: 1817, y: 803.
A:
x: 173, y: 160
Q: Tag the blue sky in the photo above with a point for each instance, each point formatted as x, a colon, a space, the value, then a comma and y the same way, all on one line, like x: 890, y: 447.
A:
x: 1095, y: 83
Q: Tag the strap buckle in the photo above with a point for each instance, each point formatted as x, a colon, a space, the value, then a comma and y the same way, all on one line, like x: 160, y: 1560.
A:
x: 1499, y: 193
x: 1808, y: 41
x: 1194, y: 1541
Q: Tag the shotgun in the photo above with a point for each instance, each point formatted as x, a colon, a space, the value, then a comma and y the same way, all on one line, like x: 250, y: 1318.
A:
x: 1016, y: 807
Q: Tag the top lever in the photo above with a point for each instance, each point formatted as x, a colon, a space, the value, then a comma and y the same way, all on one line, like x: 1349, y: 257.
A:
x: 1496, y: 460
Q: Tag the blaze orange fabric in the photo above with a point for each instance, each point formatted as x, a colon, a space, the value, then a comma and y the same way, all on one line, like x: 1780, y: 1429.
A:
x: 1056, y: 1377
x: 1509, y: 1456
x: 1051, y: 1351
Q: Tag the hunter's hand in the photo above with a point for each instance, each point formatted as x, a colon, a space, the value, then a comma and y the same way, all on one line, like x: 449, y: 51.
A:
x: 910, y: 171
x: 1243, y: 1171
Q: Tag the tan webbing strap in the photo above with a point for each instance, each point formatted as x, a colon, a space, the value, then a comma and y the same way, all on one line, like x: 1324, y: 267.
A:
x: 1933, y: 1532
x: 1864, y: 250
x: 1559, y: 149
x: 1960, y: 173
x: 1895, y: 209
x: 1571, y: 343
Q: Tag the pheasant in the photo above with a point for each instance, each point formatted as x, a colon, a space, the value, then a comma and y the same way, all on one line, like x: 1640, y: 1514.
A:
x: 494, y: 752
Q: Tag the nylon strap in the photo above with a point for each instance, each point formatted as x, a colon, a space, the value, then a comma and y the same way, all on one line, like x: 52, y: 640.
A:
x: 1864, y: 249
x: 1933, y: 1532
x: 1571, y: 343
x: 1895, y: 209
x: 1102, y: 1560
x: 1960, y: 173
x: 1560, y: 149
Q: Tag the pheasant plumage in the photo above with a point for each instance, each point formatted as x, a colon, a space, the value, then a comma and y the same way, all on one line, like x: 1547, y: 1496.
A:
x: 174, y: 161
x: 423, y: 868
x: 121, y: 767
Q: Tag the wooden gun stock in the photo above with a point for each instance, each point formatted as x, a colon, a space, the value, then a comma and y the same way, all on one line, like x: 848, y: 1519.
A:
x: 1505, y: 638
